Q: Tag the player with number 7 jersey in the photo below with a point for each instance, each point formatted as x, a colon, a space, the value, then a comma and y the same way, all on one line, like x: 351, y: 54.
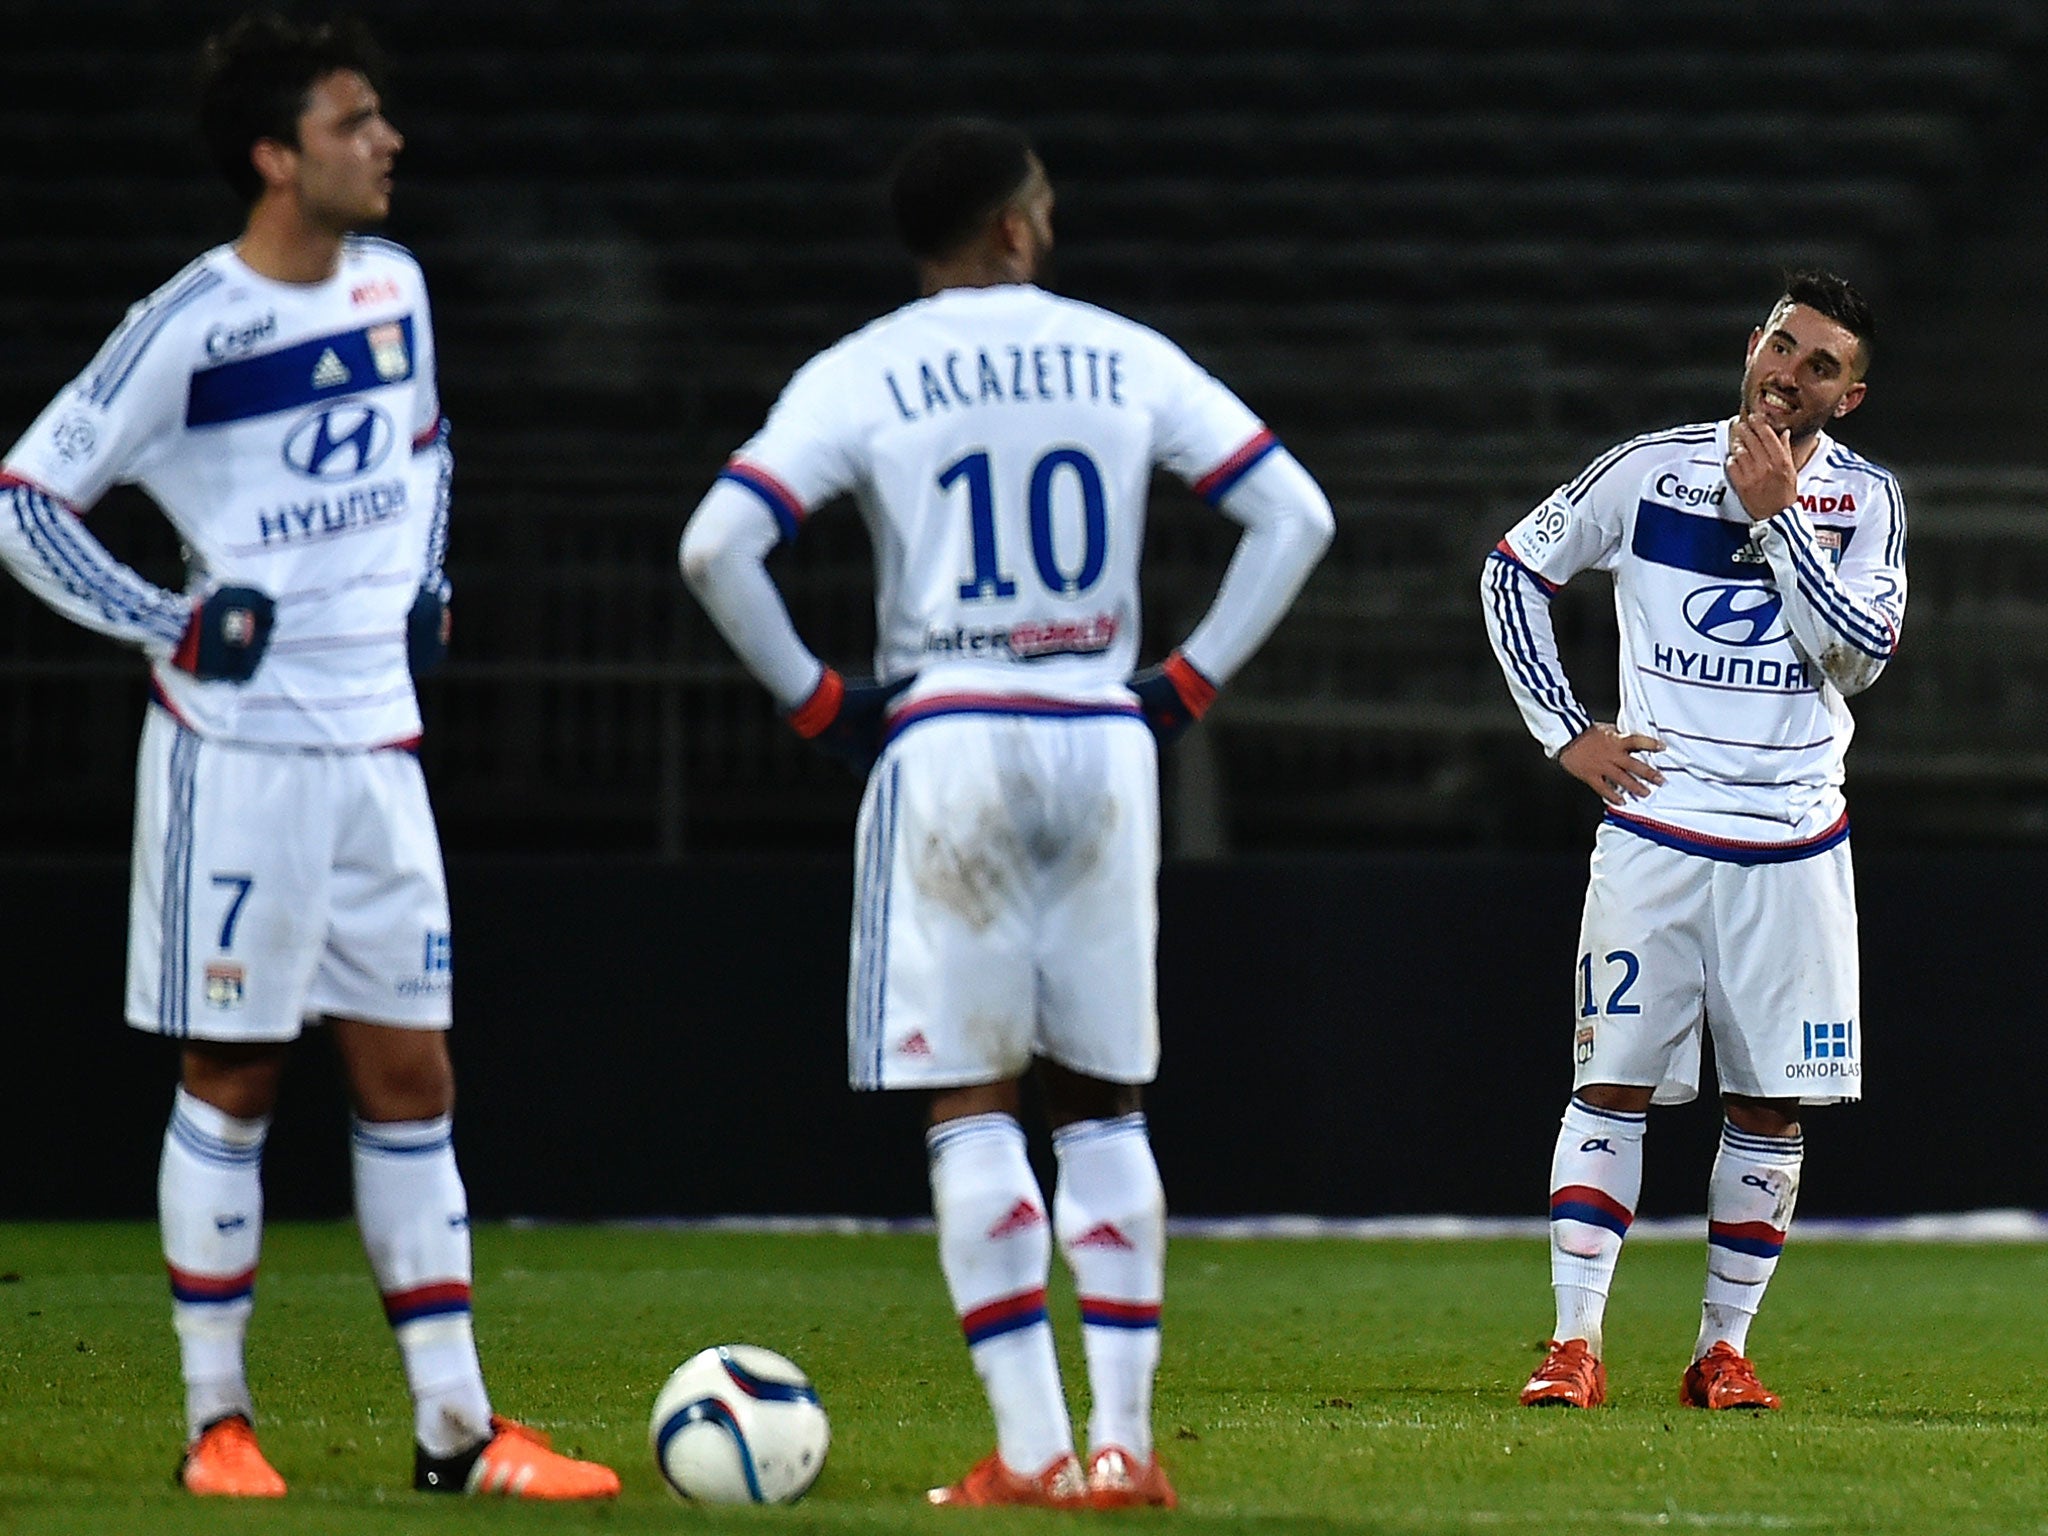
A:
x: 1000, y: 441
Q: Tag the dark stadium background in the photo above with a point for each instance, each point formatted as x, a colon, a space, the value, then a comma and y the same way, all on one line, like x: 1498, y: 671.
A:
x: 1449, y: 248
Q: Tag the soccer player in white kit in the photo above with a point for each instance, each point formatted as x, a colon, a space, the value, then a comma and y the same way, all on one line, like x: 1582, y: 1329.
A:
x: 277, y: 399
x: 999, y: 442
x: 1759, y: 579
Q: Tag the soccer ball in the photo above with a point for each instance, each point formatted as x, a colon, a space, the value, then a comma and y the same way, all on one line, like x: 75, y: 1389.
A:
x: 738, y: 1424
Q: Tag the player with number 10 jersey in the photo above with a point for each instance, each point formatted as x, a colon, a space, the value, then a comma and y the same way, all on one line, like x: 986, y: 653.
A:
x: 1000, y: 442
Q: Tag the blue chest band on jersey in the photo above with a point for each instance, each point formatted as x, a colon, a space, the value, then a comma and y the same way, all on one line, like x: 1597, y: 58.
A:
x: 1711, y: 546
x: 324, y: 368
x: 1688, y: 542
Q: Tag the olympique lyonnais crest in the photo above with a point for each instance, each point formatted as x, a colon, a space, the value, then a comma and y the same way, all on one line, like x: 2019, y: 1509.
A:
x: 387, y: 351
x: 224, y: 985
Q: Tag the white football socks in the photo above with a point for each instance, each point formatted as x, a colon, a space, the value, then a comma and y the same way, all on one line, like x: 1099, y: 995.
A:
x: 210, y: 1208
x: 1596, y: 1177
x: 1750, y: 1196
x: 414, y: 1216
x: 995, y: 1247
x: 1109, y: 1213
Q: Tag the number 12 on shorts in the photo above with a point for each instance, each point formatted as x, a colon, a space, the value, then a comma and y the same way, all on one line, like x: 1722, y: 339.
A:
x: 1593, y: 984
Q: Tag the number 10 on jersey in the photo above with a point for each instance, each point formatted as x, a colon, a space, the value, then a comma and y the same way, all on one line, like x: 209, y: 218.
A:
x: 988, y: 579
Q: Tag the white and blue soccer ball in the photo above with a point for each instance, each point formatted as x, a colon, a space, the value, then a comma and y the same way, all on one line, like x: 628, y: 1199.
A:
x: 738, y: 1424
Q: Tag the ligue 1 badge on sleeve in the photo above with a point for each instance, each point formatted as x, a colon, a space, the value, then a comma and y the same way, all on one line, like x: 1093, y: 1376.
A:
x: 387, y: 351
x: 74, y: 438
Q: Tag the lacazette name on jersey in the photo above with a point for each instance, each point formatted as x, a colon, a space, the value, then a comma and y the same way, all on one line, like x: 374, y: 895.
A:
x: 1009, y: 375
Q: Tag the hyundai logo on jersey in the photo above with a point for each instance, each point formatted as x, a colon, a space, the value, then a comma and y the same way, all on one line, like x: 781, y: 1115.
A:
x: 1734, y: 615
x: 339, y: 441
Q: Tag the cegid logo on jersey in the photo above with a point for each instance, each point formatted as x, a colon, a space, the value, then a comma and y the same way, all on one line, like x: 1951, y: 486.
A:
x: 232, y: 340
x: 1029, y: 639
x: 1675, y: 490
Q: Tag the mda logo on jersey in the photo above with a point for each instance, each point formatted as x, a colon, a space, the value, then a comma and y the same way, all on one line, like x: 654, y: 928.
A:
x: 1736, y: 615
x: 339, y: 441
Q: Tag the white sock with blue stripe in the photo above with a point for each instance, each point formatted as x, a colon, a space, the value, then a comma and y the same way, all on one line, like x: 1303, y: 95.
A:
x: 995, y: 1247
x: 1109, y: 1212
x: 210, y: 1207
x: 1750, y: 1196
x: 414, y: 1216
x: 1596, y: 1177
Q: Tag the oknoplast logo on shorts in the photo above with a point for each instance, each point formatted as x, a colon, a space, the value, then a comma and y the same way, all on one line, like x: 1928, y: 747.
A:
x: 1829, y: 1049
x: 1740, y: 615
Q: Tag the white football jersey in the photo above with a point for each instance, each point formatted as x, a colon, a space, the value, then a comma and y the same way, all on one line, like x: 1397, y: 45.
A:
x: 1738, y: 638
x: 292, y: 435
x: 1000, y: 443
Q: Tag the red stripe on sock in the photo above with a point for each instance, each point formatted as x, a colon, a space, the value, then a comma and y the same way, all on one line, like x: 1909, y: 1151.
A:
x: 443, y: 1295
x: 1002, y: 1310
x: 1754, y: 1231
x: 1599, y: 1199
x: 1094, y: 1307
x: 204, y: 1286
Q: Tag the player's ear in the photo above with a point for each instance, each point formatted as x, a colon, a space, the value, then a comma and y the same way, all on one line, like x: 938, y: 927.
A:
x: 1013, y: 230
x: 1851, y: 398
x: 275, y: 161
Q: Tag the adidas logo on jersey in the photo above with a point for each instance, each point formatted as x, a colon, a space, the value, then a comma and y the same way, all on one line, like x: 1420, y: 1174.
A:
x: 330, y: 371
x: 1023, y: 1216
x: 915, y: 1044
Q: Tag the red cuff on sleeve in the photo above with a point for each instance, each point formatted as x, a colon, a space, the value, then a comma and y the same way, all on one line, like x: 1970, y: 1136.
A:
x: 186, y: 657
x: 821, y: 708
x: 1195, y: 690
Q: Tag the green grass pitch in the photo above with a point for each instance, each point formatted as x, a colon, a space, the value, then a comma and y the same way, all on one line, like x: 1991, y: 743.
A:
x: 1307, y: 1386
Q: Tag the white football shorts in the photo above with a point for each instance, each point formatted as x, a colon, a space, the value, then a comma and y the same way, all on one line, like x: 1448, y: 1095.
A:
x: 271, y: 886
x: 1761, y: 956
x: 1006, y: 903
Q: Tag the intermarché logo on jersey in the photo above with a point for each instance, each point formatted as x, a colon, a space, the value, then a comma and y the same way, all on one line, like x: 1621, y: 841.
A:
x: 339, y: 441
x: 1028, y: 639
x: 1736, y: 615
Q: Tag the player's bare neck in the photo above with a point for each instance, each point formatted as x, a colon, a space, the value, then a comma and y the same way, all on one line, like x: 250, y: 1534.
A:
x: 283, y: 246
x: 978, y: 269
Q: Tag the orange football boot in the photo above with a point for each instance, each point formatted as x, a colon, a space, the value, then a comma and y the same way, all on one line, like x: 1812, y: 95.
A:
x: 990, y: 1481
x: 515, y: 1463
x: 226, y: 1460
x: 1723, y: 1379
x: 1571, y: 1376
x: 1118, y: 1480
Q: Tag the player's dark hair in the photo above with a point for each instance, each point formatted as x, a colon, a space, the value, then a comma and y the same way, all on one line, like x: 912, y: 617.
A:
x: 255, y: 79
x: 952, y: 180
x: 1826, y: 294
